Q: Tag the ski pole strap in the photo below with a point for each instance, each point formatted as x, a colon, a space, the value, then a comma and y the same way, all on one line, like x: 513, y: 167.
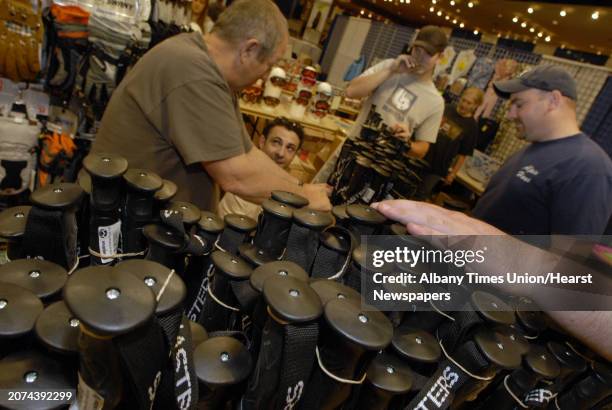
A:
x: 298, y: 358
x: 51, y: 234
x: 440, y: 389
x: 302, y: 246
x: 229, y: 240
x: 333, y: 263
x: 178, y: 385
x: 143, y: 355
x: 455, y: 332
x: 280, y: 384
x: 195, y: 305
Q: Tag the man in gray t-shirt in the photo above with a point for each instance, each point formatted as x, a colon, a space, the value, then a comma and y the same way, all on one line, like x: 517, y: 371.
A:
x: 403, y: 91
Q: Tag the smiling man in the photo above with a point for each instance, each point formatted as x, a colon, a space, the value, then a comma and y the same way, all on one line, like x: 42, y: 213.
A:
x: 562, y: 182
x: 281, y: 140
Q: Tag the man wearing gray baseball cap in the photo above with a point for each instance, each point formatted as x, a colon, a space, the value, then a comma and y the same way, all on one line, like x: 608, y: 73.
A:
x: 562, y: 182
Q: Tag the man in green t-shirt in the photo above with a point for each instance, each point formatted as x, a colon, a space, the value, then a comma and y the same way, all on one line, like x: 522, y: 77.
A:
x: 176, y: 112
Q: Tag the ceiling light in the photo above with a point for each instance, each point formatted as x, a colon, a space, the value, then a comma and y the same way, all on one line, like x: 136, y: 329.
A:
x: 515, y: 20
x: 431, y: 9
x: 470, y: 4
x: 523, y: 24
x: 439, y: 13
x: 562, y: 45
x: 595, y: 15
x: 530, y: 10
x: 458, y: 10
x: 598, y: 53
x: 447, y: 18
x: 362, y: 12
x: 540, y: 34
x: 555, y: 22
x: 454, y: 21
x: 547, y: 39
x: 498, y: 35
x: 531, y: 30
x: 461, y: 25
x: 407, y: 1
x: 563, y: 13
x: 370, y: 15
x: 452, y: 2
x: 433, y: 1
x: 475, y: 32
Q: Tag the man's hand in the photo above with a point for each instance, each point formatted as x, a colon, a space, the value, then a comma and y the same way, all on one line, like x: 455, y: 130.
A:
x: 401, y: 131
x: 318, y: 196
x: 422, y: 218
x: 403, y: 64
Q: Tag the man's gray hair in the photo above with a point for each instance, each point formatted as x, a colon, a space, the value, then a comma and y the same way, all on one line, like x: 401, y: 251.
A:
x: 258, y: 19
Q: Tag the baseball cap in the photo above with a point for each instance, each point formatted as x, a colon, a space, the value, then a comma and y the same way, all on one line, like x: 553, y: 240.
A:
x: 431, y: 38
x: 546, y: 77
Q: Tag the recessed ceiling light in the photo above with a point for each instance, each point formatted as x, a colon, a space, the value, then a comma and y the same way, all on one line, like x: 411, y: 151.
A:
x: 475, y: 32
x: 431, y: 9
x: 598, y: 53
x: 540, y: 34
x: 370, y: 14
x: 563, y: 13
x: 531, y: 30
x: 439, y: 13
x: 523, y: 24
x: 555, y: 22
x: 458, y: 10
x: 530, y: 10
x: 452, y: 2
x: 595, y: 15
x: 515, y: 20
x: 498, y: 35
x: 407, y: 1
x: 547, y: 39
x: 433, y: 1
x: 447, y: 18
x: 454, y: 21
x: 461, y: 25
x: 362, y: 12
x: 562, y: 45
x: 470, y: 4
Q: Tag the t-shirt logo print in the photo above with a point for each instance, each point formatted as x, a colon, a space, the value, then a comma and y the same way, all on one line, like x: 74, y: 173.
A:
x: 400, y: 102
x: 527, y: 173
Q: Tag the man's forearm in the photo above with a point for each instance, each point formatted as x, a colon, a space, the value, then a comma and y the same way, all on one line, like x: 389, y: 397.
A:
x: 252, y: 176
x: 419, y: 149
x: 364, y: 85
x: 457, y: 166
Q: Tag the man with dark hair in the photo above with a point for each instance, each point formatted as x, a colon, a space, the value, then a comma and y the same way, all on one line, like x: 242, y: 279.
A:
x: 562, y: 182
x: 281, y: 140
x: 176, y: 112
x: 403, y: 92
